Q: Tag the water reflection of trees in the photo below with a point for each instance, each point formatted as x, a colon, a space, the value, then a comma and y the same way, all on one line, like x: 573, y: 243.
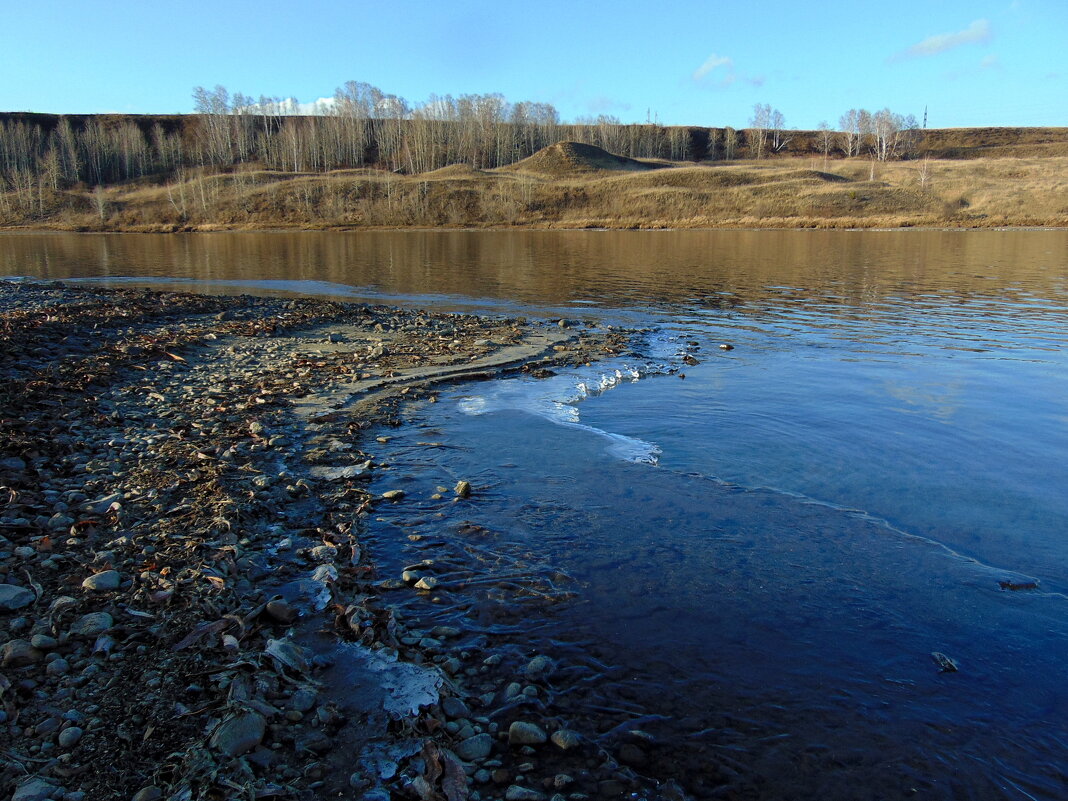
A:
x: 705, y: 269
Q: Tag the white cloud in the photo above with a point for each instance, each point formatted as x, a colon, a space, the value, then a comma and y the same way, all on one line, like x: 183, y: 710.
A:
x: 714, y: 61
x: 990, y: 61
x: 976, y: 33
x: 320, y: 106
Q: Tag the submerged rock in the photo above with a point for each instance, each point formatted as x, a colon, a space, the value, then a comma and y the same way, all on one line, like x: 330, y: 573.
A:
x: 517, y: 793
x: 565, y: 739
x: 524, y: 733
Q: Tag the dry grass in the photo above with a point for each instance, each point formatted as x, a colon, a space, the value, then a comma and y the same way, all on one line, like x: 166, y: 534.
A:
x: 573, y: 188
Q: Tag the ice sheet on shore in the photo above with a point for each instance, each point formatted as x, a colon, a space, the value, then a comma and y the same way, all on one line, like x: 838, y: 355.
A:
x: 557, y: 398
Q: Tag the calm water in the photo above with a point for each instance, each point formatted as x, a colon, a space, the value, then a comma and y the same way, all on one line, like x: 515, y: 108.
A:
x: 762, y: 555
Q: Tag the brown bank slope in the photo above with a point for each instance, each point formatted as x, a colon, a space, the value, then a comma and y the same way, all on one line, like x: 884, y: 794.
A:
x: 573, y: 185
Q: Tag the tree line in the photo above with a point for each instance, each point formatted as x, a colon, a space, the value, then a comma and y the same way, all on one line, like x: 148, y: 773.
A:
x: 362, y: 126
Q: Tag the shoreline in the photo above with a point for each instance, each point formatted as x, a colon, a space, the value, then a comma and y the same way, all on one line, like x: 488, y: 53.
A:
x: 244, y: 229
x: 184, y: 481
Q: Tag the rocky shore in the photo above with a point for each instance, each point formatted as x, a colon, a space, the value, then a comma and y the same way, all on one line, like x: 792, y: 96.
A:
x: 186, y: 608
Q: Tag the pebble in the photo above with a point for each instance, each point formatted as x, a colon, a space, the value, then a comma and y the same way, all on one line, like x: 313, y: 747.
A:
x: 393, y: 495
x: 462, y: 489
x: 105, y: 581
x: 13, y: 597
x: 69, y: 737
x: 43, y: 641
x: 239, y: 733
x: 523, y: 733
x: 92, y: 624
x: 34, y: 790
x: 150, y: 793
x: 303, y: 700
x: 16, y: 653
x: 58, y: 667
x: 455, y: 708
x: 47, y: 726
x: 426, y: 583
x: 473, y: 748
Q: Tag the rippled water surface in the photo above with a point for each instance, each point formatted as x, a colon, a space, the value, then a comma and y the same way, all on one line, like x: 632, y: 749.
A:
x: 757, y: 560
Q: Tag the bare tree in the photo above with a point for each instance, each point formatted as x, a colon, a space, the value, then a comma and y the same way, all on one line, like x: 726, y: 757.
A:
x: 759, y: 122
x: 730, y: 142
x: 826, y: 140
x: 778, y: 122
x: 849, y: 125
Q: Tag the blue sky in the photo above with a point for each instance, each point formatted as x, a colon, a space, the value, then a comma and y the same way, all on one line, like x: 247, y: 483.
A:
x: 971, y: 63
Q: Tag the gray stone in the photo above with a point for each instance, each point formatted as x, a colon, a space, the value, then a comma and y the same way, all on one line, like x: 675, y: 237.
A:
x: 47, y: 726
x: 105, y: 581
x: 426, y: 583
x: 17, y: 653
x: 150, y: 793
x: 69, y: 737
x: 455, y: 708
x: 43, y: 641
x: 58, y: 667
x: 92, y: 624
x: 303, y: 700
x: 13, y: 597
x: 524, y: 733
x: 60, y: 521
x: 477, y: 747
x: 34, y: 790
x: 239, y: 733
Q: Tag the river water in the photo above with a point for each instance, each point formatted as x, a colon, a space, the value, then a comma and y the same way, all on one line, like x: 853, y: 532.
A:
x: 753, y: 552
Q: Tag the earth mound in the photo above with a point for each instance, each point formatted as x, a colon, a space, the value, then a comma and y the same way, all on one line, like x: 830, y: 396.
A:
x: 570, y: 158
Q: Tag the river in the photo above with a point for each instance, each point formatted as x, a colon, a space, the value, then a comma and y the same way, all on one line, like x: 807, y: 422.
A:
x: 753, y: 551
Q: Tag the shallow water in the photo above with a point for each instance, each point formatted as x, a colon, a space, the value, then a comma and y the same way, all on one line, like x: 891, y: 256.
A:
x: 767, y: 552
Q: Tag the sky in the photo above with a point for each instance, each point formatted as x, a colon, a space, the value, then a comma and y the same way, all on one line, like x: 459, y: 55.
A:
x: 968, y: 62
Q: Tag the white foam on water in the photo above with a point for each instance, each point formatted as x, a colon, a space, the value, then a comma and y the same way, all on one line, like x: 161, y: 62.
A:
x: 557, y: 398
